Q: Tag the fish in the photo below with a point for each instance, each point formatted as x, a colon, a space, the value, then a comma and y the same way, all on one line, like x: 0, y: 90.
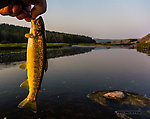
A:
x: 36, y: 63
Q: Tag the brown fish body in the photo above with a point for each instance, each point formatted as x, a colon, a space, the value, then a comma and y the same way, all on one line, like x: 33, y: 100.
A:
x: 36, y: 62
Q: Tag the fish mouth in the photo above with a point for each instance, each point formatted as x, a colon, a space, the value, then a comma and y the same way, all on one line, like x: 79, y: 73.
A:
x: 37, y: 26
x: 39, y: 21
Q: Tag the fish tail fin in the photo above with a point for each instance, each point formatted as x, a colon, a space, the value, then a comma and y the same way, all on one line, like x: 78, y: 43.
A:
x: 31, y: 105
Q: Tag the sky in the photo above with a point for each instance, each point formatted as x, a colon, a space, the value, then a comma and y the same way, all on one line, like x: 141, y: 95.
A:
x: 106, y: 19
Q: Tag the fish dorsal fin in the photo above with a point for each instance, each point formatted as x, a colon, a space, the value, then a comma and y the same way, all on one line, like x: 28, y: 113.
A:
x: 46, y: 66
x: 23, y: 66
x: 25, y: 84
x: 29, y: 35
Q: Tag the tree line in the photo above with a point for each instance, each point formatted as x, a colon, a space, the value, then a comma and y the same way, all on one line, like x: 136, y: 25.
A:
x: 15, y: 34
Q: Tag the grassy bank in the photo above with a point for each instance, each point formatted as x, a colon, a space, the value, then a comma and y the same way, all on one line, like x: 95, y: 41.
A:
x: 13, y: 45
x: 24, y: 45
x: 115, y: 44
x: 143, y: 45
x: 55, y: 45
x: 51, y: 45
x: 89, y: 44
x: 104, y: 44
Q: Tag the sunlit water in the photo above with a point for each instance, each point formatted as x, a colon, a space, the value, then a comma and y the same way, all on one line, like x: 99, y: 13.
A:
x: 70, y: 78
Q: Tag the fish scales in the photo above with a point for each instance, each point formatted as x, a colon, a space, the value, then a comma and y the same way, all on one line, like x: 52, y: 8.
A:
x: 36, y: 62
x: 35, y: 53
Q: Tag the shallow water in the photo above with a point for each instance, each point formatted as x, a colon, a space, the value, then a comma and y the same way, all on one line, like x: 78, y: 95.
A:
x: 71, y: 78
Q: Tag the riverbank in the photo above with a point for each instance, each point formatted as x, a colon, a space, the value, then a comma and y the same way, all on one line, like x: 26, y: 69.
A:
x: 16, y: 55
x: 11, y: 46
x: 105, y: 44
x: 24, y: 45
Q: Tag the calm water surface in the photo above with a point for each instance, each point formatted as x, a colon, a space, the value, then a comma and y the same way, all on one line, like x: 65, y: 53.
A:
x: 70, y: 78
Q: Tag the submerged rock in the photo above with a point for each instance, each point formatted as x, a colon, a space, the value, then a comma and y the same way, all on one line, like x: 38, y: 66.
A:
x: 148, y: 111
x: 114, y: 95
x: 125, y: 101
x: 122, y: 97
x: 123, y: 116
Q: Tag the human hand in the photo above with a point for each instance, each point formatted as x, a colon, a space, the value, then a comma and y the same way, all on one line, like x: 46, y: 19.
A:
x: 21, y: 9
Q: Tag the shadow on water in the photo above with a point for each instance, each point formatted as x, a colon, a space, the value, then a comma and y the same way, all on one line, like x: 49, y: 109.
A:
x: 8, y: 56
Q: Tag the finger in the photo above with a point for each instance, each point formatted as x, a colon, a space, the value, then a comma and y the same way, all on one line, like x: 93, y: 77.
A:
x: 6, y: 10
x: 26, y: 7
x: 38, y: 9
x: 16, y: 9
x: 27, y: 10
x: 22, y: 16
x: 28, y: 19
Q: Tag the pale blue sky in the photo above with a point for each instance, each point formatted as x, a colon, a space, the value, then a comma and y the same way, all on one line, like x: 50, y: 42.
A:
x: 114, y: 19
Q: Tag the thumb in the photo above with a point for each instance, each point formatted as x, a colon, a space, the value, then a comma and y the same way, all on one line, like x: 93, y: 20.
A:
x: 37, y: 10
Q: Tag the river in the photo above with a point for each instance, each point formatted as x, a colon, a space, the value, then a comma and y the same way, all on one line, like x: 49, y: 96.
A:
x: 72, y: 74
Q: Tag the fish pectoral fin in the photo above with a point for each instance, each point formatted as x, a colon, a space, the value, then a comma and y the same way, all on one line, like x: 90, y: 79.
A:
x: 29, y: 35
x: 25, y: 84
x: 46, y: 66
x: 29, y: 105
x: 23, y: 66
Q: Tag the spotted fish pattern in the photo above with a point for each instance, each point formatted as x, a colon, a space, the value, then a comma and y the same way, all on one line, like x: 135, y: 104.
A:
x: 36, y: 63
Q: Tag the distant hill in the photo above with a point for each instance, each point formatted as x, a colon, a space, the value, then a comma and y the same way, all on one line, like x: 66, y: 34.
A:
x: 125, y: 41
x: 15, y: 34
x: 102, y: 40
x: 143, y: 44
x: 145, y: 39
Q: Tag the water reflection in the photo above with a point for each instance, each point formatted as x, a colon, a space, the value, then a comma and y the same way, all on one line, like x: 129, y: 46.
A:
x: 143, y: 50
x: 69, y: 80
x: 8, y: 57
x: 11, y: 57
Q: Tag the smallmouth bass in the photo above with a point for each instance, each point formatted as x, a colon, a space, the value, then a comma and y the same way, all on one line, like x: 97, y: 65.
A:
x: 36, y: 63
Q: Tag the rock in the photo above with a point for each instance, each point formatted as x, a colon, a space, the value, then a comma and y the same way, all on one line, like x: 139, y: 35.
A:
x: 103, y: 97
x: 114, y: 95
x: 124, y: 102
x: 148, y: 111
x: 123, y: 116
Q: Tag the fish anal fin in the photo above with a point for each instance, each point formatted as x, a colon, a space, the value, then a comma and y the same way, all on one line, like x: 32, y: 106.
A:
x: 46, y: 66
x: 25, y: 84
x: 31, y: 105
x: 23, y: 66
